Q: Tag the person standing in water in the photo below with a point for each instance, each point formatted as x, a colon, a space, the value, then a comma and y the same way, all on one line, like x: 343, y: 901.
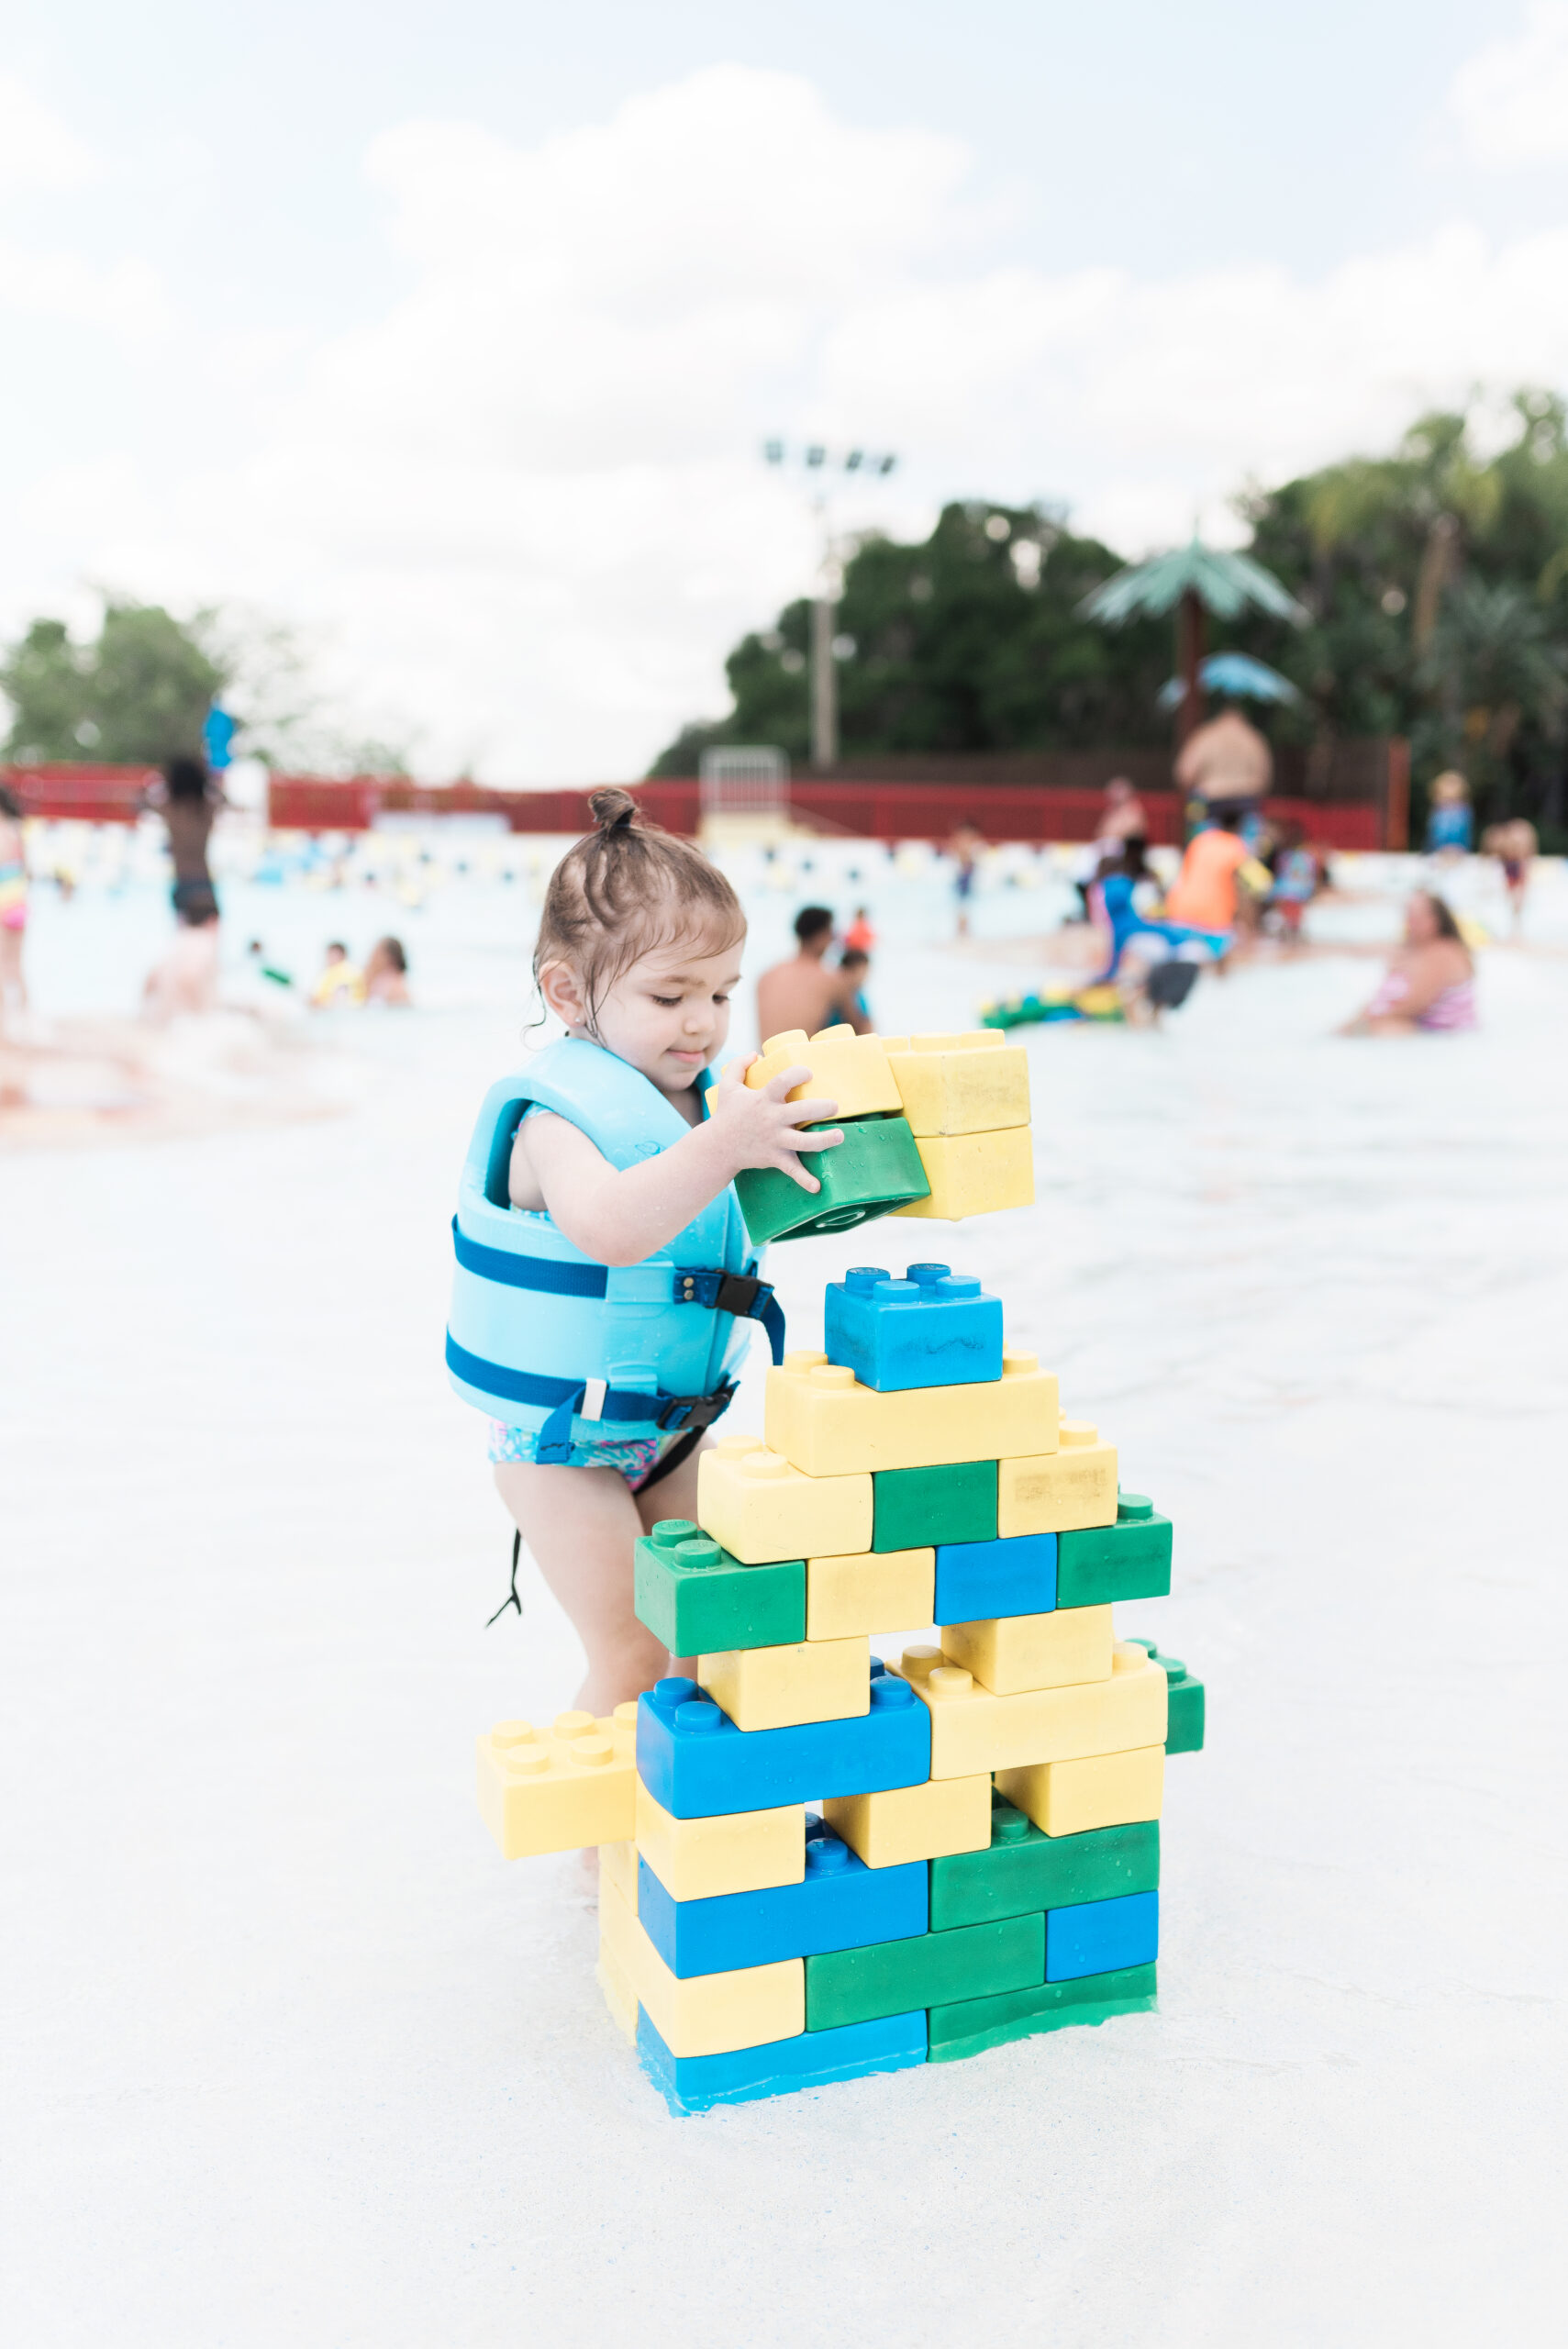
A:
x: 13, y: 907
x: 189, y: 803
x: 1450, y: 826
x: 804, y: 993
x: 1516, y: 846
x: 965, y: 848
x: 1225, y: 761
x: 621, y: 1150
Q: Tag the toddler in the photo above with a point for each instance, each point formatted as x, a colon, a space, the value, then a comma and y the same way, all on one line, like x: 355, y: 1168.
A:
x: 610, y: 1153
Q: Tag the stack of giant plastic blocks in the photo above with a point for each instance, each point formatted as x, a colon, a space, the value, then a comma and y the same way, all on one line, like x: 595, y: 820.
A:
x: 816, y: 1865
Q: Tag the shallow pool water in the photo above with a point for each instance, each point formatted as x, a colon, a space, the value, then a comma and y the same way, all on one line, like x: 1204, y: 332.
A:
x: 300, y: 2060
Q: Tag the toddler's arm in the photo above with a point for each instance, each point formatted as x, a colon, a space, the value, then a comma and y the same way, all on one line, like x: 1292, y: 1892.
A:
x: 621, y: 1216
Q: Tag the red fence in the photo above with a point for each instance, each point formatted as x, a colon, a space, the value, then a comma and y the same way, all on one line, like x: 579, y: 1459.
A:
x: 863, y: 810
x: 864, y: 805
x: 90, y: 794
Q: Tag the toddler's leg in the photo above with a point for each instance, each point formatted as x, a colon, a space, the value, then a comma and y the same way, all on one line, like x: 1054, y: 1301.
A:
x: 581, y: 1524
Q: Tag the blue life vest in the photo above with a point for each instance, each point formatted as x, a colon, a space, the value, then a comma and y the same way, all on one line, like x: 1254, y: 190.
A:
x: 538, y: 1332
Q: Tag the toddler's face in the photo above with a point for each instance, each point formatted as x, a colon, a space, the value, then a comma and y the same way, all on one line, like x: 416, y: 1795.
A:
x: 669, y: 1014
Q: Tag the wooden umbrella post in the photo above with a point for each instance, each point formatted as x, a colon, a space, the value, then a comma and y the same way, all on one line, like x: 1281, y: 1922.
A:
x: 1189, y: 661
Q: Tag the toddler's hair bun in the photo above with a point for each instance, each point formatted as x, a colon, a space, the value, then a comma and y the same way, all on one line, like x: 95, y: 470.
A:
x: 613, y: 809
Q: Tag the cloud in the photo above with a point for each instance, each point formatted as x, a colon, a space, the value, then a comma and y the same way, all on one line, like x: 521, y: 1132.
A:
x: 36, y: 149
x: 1510, y: 102
x: 523, y: 504
x: 40, y: 154
x: 128, y: 298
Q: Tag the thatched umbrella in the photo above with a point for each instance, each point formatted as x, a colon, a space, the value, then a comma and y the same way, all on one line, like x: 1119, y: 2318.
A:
x: 1194, y: 579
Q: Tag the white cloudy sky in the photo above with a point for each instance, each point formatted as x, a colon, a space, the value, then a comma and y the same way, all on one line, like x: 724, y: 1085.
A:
x: 450, y: 332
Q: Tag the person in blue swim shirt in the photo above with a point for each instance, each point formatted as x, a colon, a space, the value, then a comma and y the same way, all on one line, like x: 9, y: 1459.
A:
x: 603, y: 1274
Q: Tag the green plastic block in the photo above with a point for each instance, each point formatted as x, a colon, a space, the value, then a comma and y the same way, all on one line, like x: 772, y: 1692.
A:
x: 1183, y: 1700
x: 971, y: 2025
x: 932, y: 1969
x: 1131, y: 1559
x: 699, y: 1600
x: 874, y: 1169
x: 916, y: 1508
x: 1184, y: 1711
x: 1024, y: 1870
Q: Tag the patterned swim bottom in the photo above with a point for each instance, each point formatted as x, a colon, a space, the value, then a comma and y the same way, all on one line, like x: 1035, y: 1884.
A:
x: 632, y: 1457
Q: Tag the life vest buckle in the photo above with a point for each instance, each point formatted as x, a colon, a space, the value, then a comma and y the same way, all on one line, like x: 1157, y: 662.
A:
x: 736, y: 1293
x: 691, y: 1412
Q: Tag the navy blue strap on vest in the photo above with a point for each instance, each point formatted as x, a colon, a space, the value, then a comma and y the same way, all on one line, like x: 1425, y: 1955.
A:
x: 528, y: 1272
x: 563, y: 1398
x: 738, y: 1293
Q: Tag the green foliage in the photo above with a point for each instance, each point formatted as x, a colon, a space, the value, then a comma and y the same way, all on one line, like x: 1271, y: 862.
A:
x: 138, y: 692
x: 1435, y: 582
x: 42, y: 677
x: 971, y: 642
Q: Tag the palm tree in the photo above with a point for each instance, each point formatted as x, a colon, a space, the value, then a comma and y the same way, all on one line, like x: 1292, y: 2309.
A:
x: 1433, y: 484
x: 1491, y: 663
x: 1191, y: 582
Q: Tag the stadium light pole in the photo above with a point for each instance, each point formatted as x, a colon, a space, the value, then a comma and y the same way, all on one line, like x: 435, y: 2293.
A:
x: 817, y: 458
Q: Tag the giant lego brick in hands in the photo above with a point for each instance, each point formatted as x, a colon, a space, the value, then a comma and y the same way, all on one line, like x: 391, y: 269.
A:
x: 932, y: 1125
x: 987, y: 1863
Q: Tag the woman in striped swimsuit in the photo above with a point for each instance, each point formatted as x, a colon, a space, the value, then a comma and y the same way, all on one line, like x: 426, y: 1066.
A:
x: 1430, y: 983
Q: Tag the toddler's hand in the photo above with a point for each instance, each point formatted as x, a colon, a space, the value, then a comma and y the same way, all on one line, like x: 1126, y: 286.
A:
x: 763, y: 1129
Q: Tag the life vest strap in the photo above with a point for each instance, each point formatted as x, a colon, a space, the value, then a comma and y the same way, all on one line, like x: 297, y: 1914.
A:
x: 528, y: 1272
x: 563, y: 1398
x: 740, y: 1294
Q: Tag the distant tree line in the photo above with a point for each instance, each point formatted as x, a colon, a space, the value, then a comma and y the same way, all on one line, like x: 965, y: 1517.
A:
x: 139, y: 692
x: 1436, y: 580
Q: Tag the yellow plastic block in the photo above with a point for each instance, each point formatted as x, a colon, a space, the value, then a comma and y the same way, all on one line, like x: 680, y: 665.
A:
x: 1108, y: 1790
x: 552, y: 1790
x: 972, y: 1730
x: 759, y: 1507
x: 617, y: 1864
x: 974, y: 1174
x: 913, y: 1822
x: 848, y: 1069
x: 1073, y: 1487
x: 885, y: 1590
x: 746, y: 1851
x: 708, y: 2014
x: 824, y: 1421
x: 619, y: 1996
x: 975, y: 1084
x: 819, y: 1680
x: 1020, y: 1652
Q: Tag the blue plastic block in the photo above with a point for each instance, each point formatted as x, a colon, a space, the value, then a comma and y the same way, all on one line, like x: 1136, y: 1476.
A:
x: 840, y: 1903
x: 692, y: 2083
x: 933, y: 1327
x: 976, y: 1580
x: 1101, y: 1936
x: 694, y: 1760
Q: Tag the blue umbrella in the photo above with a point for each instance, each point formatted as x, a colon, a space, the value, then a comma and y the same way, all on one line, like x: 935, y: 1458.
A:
x: 1233, y: 672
